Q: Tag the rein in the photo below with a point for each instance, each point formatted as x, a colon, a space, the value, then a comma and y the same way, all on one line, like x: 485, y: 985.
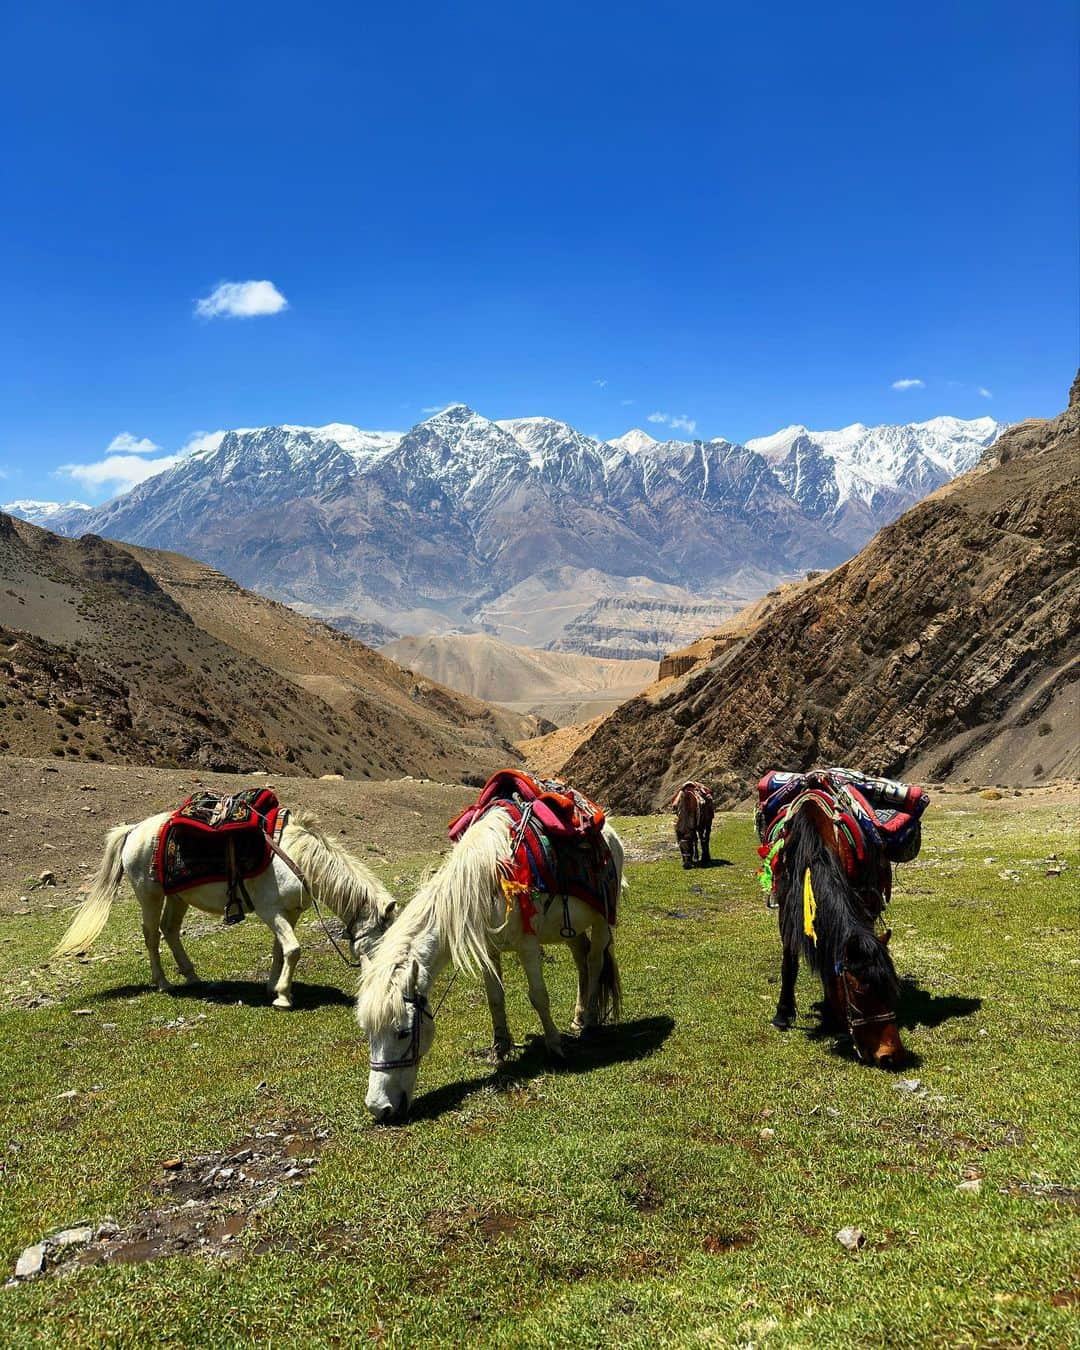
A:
x: 349, y: 929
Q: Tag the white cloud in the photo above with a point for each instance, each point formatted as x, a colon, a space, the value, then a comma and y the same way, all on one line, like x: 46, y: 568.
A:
x: 909, y: 384
x: 241, y: 300
x: 117, y: 472
x: 600, y: 384
x: 127, y: 444
x: 676, y: 421
x: 984, y: 392
x: 626, y: 402
x: 129, y: 460
x: 435, y: 407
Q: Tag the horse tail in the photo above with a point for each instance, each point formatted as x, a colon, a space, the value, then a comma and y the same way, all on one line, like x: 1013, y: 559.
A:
x: 609, y: 988
x: 93, y: 913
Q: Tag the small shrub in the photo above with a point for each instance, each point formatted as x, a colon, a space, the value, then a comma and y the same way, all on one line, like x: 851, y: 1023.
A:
x: 1045, y: 728
x: 1037, y: 771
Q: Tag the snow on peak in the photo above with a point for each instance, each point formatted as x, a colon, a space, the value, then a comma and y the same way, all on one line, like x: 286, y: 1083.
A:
x: 634, y: 442
x: 25, y: 505
x: 779, y: 444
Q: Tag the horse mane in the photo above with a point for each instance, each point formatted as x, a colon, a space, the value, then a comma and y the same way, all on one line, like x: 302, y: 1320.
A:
x: 457, y: 903
x: 351, y: 890
x: 845, y: 932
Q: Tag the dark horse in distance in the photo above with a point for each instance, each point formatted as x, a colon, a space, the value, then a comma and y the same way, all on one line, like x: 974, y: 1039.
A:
x: 693, y: 808
x: 829, y: 843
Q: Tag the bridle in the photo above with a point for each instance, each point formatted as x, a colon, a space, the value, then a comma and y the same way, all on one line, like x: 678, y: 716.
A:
x: 411, y: 1057
x: 854, y: 1015
x: 419, y: 1004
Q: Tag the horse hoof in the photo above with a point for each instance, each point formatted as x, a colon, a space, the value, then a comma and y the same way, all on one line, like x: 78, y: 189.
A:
x: 282, y: 1003
x: 687, y: 866
x: 782, y: 1022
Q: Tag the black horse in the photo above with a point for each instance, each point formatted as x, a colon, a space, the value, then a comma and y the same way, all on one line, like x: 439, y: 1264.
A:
x: 824, y: 917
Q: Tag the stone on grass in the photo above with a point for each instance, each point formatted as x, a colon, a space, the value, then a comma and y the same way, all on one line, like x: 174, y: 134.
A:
x: 31, y: 1262
x: 970, y: 1187
x: 73, y: 1237
x: 908, y: 1084
x: 851, y: 1238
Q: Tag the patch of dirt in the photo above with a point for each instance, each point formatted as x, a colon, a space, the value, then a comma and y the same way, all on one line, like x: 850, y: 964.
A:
x: 720, y: 1244
x: 450, y: 1227
x: 639, y: 1190
x: 1043, y: 1190
x: 204, y: 1202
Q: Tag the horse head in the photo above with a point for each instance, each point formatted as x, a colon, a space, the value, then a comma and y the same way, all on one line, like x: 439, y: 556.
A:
x: 401, y: 1030
x: 863, y: 994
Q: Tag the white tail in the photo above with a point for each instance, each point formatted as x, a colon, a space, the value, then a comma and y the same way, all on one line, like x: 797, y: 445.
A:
x: 93, y: 913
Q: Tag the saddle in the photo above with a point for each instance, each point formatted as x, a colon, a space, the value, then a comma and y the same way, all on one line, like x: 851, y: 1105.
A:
x: 212, y: 839
x: 877, y: 822
x: 558, y: 846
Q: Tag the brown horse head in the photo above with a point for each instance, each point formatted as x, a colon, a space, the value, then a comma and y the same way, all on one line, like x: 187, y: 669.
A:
x: 863, y: 995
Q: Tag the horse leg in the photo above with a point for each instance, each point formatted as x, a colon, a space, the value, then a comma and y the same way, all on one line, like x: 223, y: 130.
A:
x: 580, y: 948
x: 502, y: 1041
x: 276, y: 959
x: 785, y: 1007
x: 538, y: 996
x: 282, y: 925
x: 151, y: 930
x: 175, y: 909
x: 706, y: 833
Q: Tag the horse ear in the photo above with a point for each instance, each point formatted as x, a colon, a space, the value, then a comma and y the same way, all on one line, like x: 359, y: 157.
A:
x: 886, y: 936
x: 390, y: 911
x: 413, y: 982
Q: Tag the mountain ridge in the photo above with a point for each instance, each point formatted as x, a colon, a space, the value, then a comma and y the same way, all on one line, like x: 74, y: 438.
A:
x: 427, y: 528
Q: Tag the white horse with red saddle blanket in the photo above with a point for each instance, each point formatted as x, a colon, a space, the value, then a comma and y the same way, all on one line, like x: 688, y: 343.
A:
x: 277, y: 896
x: 463, y: 916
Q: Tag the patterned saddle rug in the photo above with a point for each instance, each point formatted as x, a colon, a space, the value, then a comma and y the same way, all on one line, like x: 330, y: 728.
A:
x: 558, y: 846
x: 878, y: 822
x: 219, y: 839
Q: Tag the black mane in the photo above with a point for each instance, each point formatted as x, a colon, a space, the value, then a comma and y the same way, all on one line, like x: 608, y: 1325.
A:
x: 845, y: 931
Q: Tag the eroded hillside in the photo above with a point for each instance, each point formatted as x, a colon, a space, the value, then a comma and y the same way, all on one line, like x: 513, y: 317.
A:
x: 124, y: 654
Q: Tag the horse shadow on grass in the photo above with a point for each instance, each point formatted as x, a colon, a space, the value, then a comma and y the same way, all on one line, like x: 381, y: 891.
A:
x: 919, y: 1008
x: 614, y: 1044
x: 251, y: 993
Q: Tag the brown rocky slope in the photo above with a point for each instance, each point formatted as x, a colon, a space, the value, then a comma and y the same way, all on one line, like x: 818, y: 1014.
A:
x: 946, y: 648
x: 121, y: 654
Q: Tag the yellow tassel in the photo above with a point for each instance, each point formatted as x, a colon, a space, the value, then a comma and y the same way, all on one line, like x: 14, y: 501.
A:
x: 511, y: 890
x: 809, y: 906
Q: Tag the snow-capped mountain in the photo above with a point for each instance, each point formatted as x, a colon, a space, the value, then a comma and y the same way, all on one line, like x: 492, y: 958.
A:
x: 59, y: 517
x: 427, y: 528
x: 868, y: 475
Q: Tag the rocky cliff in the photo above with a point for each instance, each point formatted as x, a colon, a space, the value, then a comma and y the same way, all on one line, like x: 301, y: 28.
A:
x: 947, y: 647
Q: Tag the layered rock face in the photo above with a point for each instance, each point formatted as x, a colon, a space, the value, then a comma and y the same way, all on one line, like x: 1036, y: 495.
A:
x: 946, y: 648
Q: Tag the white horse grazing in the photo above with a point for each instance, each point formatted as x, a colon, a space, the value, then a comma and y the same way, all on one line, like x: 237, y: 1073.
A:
x: 460, y: 916
x: 333, y: 876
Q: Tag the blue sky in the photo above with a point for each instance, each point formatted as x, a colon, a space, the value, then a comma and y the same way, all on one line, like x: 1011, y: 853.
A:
x: 744, y: 216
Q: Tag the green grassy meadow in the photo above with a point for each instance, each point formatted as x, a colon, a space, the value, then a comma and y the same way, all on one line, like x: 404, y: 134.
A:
x: 631, y: 1198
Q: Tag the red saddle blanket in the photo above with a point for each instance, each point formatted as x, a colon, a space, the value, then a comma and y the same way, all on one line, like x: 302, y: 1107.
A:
x: 564, y: 812
x: 558, y: 844
x: 193, y: 845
